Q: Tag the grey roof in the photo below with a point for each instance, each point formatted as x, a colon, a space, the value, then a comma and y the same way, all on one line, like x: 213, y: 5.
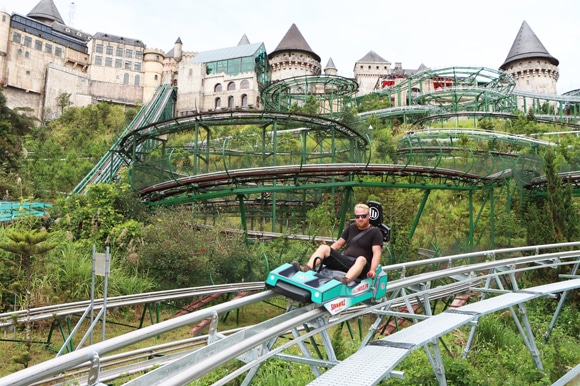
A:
x: 294, y: 41
x: 118, y: 39
x: 244, y: 40
x: 46, y: 9
x: 330, y: 64
x: 527, y: 46
x: 372, y: 57
x: 241, y: 51
x: 71, y: 32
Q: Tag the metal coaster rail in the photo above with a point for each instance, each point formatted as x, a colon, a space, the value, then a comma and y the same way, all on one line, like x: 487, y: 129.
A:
x: 470, y: 269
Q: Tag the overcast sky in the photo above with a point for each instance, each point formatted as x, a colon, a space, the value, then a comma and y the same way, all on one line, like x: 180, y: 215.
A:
x: 437, y: 33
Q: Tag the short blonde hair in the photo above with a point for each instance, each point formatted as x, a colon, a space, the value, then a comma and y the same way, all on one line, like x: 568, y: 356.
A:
x: 362, y: 206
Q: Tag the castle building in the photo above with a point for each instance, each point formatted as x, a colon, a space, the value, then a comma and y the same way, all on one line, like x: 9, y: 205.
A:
x: 226, y: 78
x: 41, y: 57
x: 43, y: 60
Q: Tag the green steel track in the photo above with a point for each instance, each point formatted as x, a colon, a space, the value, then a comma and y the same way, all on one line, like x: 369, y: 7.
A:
x: 275, y: 165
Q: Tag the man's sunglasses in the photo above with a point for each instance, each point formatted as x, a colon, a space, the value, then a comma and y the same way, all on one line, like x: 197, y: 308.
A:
x: 360, y: 215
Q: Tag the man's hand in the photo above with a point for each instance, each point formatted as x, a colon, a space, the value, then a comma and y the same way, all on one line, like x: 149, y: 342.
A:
x: 371, y: 274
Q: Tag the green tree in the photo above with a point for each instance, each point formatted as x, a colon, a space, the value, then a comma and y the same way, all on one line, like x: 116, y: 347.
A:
x: 554, y: 218
x: 28, y: 246
x: 63, y: 101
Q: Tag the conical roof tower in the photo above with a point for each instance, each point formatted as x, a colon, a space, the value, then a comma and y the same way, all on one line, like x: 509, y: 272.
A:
x: 531, y: 66
x: 293, y: 57
x: 527, y: 46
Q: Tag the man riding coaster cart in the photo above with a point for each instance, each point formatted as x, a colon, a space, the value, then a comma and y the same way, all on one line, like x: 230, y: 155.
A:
x: 340, y: 280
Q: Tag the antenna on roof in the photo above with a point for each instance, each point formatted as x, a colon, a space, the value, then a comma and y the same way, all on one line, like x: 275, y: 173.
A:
x: 71, y: 14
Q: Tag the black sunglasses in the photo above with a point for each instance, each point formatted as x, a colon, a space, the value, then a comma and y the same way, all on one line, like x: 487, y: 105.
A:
x: 361, y: 215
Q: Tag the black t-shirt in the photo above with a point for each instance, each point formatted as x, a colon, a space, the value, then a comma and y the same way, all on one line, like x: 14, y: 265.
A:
x: 363, y: 246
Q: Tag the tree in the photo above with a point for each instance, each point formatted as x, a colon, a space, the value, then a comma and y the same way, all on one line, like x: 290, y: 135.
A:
x: 553, y: 219
x: 28, y: 246
x: 63, y: 101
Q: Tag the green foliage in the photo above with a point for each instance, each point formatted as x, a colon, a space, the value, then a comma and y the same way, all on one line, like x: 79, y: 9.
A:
x: 100, y: 216
x: 179, y: 254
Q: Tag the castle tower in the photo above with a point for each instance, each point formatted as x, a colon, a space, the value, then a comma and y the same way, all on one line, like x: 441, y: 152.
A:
x: 368, y: 69
x: 178, y: 50
x: 153, y: 71
x: 330, y: 68
x: 293, y: 57
x: 530, y: 64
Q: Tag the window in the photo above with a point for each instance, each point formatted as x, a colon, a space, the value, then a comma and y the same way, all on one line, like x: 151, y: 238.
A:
x: 99, y: 48
x: 231, y: 86
x: 244, y: 100
x: 20, y: 52
x: 27, y: 41
x: 218, y: 103
x: 156, y: 77
x: 16, y: 37
x: 137, y: 79
x: 119, y: 51
x: 109, y: 62
x: 126, y: 78
x: 231, y: 102
x: 58, y: 51
x: 118, y: 63
x: 48, y: 48
x: 139, y: 55
x: 222, y: 66
x: 99, y: 60
x: 247, y: 64
x: 128, y: 65
x: 128, y: 53
x: 109, y: 50
x: 38, y: 45
x: 217, y: 88
x: 137, y: 66
x: 244, y: 84
x: 27, y: 55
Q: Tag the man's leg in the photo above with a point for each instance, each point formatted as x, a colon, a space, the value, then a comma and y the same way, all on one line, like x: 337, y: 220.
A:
x: 356, y: 268
x: 323, y: 251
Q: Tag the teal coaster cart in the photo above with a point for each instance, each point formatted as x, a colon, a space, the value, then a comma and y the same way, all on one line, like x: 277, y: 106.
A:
x: 319, y: 287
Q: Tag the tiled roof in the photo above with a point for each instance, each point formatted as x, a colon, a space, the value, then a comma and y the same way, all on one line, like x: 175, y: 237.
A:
x: 294, y: 41
x: 527, y: 46
x: 372, y: 57
x: 118, y: 39
x: 46, y: 9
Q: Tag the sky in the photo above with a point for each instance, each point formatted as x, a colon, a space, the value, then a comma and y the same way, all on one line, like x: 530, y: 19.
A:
x: 437, y: 33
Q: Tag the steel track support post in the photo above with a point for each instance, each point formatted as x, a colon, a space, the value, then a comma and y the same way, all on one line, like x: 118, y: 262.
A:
x: 436, y: 362
x: 305, y: 352
x: 243, y: 218
x: 560, y: 306
x: 419, y: 213
x: 470, y: 238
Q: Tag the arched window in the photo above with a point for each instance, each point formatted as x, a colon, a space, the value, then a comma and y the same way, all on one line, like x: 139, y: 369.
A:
x: 137, y: 80
x: 218, y: 103
x: 231, y: 86
x: 244, y: 84
x: 217, y: 88
x: 244, y: 100
x: 126, y: 78
x: 231, y: 102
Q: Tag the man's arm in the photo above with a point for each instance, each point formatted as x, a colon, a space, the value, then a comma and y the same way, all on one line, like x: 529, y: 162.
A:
x: 338, y: 244
x: 377, y: 250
